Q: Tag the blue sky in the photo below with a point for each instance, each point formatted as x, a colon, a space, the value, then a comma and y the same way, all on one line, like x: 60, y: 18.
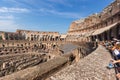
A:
x: 46, y: 15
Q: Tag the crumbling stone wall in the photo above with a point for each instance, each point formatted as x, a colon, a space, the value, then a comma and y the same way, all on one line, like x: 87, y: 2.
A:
x: 14, y: 63
x: 19, y: 55
x: 23, y: 46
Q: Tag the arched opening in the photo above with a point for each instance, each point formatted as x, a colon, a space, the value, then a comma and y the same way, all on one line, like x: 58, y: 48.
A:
x: 118, y: 32
x: 21, y: 45
x: 17, y: 45
x: 56, y: 38
x: 3, y: 45
x: 37, y: 37
x: 31, y: 37
x: 99, y: 37
x: 105, y: 36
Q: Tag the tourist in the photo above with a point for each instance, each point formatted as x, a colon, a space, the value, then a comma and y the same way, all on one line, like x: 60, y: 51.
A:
x: 114, y: 62
x: 115, y: 39
x: 116, y: 50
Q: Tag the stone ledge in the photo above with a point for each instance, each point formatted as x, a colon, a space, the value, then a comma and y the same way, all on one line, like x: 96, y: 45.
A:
x: 92, y: 67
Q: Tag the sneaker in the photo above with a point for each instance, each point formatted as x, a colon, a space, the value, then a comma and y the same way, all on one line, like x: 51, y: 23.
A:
x: 110, y: 66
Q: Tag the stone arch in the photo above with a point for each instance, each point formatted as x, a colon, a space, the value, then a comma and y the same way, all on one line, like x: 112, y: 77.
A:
x: 54, y: 46
x: 3, y: 45
x: 119, y: 17
x: 24, y: 35
x: 31, y: 37
x: 112, y: 20
x: 17, y: 45
x: 28, y: 44
x: 41, y: 37
x: 56, y: 38
x: 118, y: 31
x: 35, y: 45
x: 105, y: 35
x: 28, y: 38
x: 12, y: 44
x: 22, y: 45
x: 51, y: 37
x: 47, y: 37
x: 37, y: 37
x: 7, y: 44
x: 11, y: 37
x: 106, y: 23
x: 44, y: 37
x: 25, y: 44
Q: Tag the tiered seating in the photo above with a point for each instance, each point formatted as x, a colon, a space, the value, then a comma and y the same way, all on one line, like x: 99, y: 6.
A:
x: 13, y: 50
x: 16, y: 63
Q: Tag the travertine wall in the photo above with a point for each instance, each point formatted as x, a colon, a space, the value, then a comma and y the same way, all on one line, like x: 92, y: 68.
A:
x: 39, y: 35
x: 81, y: 30
x: 30, y: 35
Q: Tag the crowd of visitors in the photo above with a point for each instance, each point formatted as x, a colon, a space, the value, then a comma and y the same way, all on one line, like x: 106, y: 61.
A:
x: 114, y: 47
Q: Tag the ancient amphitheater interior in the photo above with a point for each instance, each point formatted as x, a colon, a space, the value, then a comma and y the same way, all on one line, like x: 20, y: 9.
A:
x: 77, y: 55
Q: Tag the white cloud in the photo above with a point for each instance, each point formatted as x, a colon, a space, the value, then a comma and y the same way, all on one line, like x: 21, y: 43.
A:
x: 8, y: 17
x: 64, y: 14
x: 63, y: 2
x: 11, y: 10
x: 8, y: 25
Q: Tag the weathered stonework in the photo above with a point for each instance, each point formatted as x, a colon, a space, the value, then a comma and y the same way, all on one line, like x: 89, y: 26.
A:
x: 36, y: 55
x: 30, y: 35
x: 22, y: 64
x: 102, y: 26
x: 92, y: 67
